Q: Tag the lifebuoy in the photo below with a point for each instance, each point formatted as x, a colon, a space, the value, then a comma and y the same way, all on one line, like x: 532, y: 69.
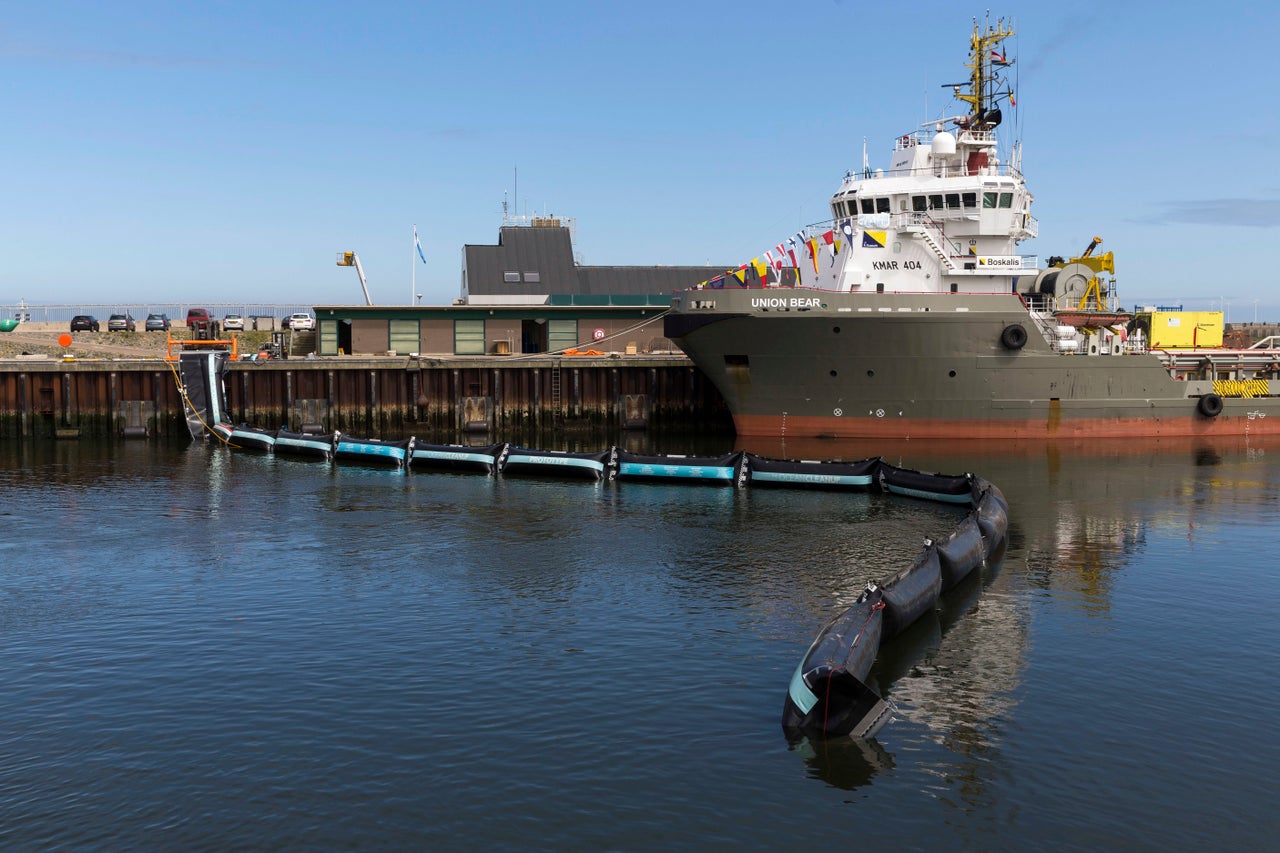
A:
x: 1013, y: 337
x: 1210, y: 405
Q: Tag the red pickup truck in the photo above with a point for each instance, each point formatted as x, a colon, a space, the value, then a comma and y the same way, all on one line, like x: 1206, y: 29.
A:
x: 201, y: 324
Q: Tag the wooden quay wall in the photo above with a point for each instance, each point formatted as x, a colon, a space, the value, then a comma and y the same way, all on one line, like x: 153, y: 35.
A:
x: 380, y: 397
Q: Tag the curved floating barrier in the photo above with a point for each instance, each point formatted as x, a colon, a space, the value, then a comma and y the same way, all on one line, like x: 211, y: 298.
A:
x: 371, y: 449
x: 804, y: 472
x: 456, y: 457
x: 556, y: 463
x: 317, y: 445
x: 827, y: 696
x: 729, y: 469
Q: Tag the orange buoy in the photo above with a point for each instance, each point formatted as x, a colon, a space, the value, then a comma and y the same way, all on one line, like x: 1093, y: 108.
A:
x: 64, y: 339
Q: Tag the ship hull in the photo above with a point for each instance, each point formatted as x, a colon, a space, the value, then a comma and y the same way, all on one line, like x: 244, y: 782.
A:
x: 807, y: 363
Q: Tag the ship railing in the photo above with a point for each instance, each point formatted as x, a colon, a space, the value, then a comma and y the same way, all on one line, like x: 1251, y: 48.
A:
x: 966, y: 136
x: 1109, y: 305
x: 869, y: 174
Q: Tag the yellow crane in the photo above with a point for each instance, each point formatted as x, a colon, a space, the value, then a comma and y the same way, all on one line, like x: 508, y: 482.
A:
x: 1097, y: 264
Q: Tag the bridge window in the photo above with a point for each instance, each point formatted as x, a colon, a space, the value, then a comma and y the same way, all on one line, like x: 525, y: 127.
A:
x: 919, y: 203
x: 970, y: 200
x: 882, y: 205
x: 1006, y: 200
x: 989, y: 201
x: 953, y: 201
x: 868, y: 205
x: 935, y: 202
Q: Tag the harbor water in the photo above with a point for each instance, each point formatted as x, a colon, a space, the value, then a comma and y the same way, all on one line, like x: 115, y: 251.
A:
x: 203, y: 649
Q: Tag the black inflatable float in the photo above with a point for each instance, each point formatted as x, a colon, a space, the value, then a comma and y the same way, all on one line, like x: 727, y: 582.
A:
x: 827, y: 696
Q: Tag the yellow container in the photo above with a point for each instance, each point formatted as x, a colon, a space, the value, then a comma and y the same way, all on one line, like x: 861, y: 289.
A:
x: 1186, y: 329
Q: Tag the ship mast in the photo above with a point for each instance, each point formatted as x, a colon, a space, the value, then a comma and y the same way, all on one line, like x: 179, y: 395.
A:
x: 983, y: 77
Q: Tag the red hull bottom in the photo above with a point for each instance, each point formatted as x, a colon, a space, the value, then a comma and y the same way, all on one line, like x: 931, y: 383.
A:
x: 790, y: 426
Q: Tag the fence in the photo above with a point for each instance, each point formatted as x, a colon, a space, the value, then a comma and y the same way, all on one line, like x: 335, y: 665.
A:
x: 177, y: 311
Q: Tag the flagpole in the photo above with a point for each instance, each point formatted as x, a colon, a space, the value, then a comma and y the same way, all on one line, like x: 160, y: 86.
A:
x: 413, y: 267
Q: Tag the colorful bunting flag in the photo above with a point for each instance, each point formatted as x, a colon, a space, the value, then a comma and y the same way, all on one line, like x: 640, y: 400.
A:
x: 762, y: 270
x: 846, y: 228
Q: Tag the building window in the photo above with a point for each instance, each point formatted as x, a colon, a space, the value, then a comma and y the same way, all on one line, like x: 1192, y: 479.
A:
x: 403, y: 336
x: 511, y: 277
x: 562, y: 335
x: 468, y: 337
x: 328, y: 337
x: 532, y: 278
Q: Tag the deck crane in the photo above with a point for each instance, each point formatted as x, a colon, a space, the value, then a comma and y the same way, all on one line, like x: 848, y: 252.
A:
x: 351, y: 259
x: 1077, y: 270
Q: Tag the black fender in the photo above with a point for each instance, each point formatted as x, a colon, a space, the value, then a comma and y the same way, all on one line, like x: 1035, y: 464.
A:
x: 1210, y: 405
x: 1014, y: 337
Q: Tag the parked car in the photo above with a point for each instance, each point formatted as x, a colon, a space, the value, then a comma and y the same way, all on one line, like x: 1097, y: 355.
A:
x: 299, y: 321
x: 233, y: 323
x: 85, y: 323
x: 201, y: 324
x: 158, y: 323
x: 121, y: 323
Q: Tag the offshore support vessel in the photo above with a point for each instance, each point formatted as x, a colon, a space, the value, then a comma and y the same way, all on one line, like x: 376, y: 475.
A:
x: 910, y: 313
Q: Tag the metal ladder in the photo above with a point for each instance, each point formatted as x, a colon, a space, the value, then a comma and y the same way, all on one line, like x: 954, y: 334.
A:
x: 555, y: 393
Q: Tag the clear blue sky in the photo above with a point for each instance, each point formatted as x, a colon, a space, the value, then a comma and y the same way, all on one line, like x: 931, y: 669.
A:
x: 227, y: 151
